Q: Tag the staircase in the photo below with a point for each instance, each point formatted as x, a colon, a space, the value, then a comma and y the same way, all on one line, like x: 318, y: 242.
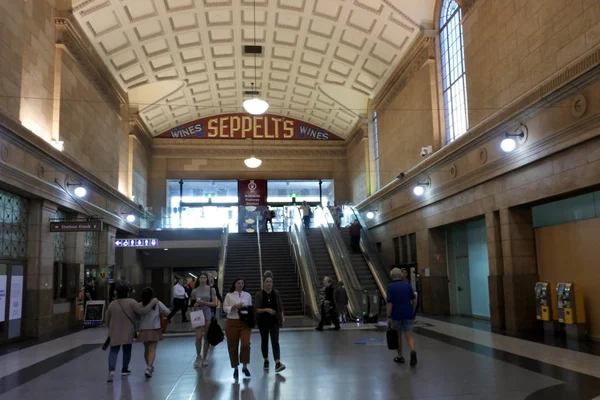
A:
x: 361, y: 269
x: 320, y: 255
x: 242, y: 262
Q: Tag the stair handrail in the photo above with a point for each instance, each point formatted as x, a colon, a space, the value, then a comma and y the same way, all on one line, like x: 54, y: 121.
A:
x: 222, y: 257
x: 307, y: 270
x: 295, y: 254
x: 340, y: 258
x: 260, y: 265
x: 372, y: 256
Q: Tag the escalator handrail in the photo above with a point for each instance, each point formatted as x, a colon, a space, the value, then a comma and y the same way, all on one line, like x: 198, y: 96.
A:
x: 340, y: 258
x: 222, y: 258
x: 372, y: 256
x: 307, y: 269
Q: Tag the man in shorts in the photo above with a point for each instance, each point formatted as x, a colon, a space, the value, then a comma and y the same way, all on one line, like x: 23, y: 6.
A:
x: 401, y: 303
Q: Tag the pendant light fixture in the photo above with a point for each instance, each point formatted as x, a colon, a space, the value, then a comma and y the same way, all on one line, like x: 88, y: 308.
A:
x: 255, y: 106
x: 252, y: 162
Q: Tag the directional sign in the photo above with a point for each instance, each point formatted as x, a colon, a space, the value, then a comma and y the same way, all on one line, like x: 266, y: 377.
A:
x: 75, y: 226
x: 142, y: 242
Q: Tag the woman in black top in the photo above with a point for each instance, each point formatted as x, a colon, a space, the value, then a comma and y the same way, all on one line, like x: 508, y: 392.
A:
x: 270, y: 317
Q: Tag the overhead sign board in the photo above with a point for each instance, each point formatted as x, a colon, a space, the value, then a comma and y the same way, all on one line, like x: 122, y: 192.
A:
x: 136, y: 242
x: 244, y: 126
x: 75, y: 226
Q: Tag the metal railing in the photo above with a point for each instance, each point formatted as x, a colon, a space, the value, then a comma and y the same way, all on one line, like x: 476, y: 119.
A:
x: 307, y: 271
x: 222, y: 257
x: 340, y: 258
x: 372, y: 255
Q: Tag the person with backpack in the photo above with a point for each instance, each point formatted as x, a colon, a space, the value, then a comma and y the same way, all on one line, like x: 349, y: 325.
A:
x: 269, y: 309
x: 150, y: 329
x: 268, y: 216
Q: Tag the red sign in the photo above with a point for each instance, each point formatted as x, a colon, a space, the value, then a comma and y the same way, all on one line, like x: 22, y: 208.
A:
x: 244, y: 126
x: 252, y: 192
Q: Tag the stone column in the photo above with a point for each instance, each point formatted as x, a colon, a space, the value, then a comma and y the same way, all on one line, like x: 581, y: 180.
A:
x: 433, y: 271
x: 520, y: 268
x: 38, y: 301
x: 496, y: 277
x: 106, y: 258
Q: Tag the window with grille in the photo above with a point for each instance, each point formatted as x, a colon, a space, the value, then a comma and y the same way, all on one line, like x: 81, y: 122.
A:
x: 453, y: 70
x: 376, y: 146
x: 59, y: 238
x: 13, y: 225
x: 90, y: 244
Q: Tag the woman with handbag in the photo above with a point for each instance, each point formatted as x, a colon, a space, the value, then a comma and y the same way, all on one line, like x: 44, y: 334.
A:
x: 270, y: 317
x: 238, y: 306
x: 120, y: 319
x: 204, y: 298
x: 150, y: 329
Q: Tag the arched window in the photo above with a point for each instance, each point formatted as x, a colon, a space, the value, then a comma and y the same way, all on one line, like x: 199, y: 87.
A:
x: 453, y: 70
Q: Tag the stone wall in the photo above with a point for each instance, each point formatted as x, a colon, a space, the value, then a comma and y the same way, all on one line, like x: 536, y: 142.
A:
x: 404, y: 126
x: 27, y: 63
x: 357, y: 151
x: 140, y: 170
x: 513, y: 46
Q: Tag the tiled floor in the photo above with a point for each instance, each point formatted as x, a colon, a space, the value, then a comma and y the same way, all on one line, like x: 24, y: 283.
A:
x: 455, y: 362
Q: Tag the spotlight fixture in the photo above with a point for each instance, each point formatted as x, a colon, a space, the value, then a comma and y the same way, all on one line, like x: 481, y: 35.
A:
x: 79, y: 191
x: 419, y: 190
x: 509, y: 143
x: 370, y: 215
x: 130, y: 218
x: 400, y: 175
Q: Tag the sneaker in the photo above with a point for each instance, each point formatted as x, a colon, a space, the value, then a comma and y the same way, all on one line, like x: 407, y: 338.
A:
x: 413, y: 358
x: 204, y: 363
x: 266, y: 365
x: 197, y: 362
x: 236, y: 374
x: 152, y: 368
x: 125, y: 372
x: 399, y: 360
x: 279, y: 367
x: 148, y: 373
x: 246, y: 371
x: 111, y: 376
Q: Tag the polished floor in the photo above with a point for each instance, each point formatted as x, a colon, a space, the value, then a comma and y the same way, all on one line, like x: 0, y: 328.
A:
x: 455, y: 362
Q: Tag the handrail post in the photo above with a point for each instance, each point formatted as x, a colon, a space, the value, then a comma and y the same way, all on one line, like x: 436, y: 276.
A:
x: 260, y: 266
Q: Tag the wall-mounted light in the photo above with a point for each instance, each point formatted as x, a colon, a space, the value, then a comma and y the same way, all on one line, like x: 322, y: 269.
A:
x: 510, y: 141
x: 419, y: 190
x: 79, y: 191
x: 370, y: 215
x: 130, y: 218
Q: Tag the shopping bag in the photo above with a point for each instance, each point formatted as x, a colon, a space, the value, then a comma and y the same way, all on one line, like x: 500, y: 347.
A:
x: 392, y: 339
x: 197, y: 319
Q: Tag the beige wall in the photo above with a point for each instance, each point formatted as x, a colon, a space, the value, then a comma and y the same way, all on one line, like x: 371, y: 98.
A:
x: 405, y: 126
x: 512, y: 46
x: 141, y: 157
x: 357, y: 151
x: 27, y: 63
x: 569, y: 253
x: 92, y: 131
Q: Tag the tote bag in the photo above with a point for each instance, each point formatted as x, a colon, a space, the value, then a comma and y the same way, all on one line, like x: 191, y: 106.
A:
x: 392, y: 339
x: 197, y: 319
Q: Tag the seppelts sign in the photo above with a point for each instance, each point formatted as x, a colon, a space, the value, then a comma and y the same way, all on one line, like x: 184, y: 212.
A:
x: 244, y: 126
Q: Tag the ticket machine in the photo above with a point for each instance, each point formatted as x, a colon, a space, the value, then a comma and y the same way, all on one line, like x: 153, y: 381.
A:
x: 571, y: 309
x: 545, y: 301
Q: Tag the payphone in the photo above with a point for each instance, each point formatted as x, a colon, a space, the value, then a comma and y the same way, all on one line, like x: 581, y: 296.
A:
x: 545, y: 301
x: 571, y: 309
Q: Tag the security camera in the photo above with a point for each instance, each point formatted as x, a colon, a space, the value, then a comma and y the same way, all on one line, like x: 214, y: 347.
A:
x: 426, y: 150
x: 400, y: 175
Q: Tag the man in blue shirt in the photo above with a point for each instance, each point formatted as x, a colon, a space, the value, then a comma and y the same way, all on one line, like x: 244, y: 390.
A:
x: 401, y: 304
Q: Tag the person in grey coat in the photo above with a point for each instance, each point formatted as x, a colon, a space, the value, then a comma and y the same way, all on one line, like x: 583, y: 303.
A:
x: 341, y: 301
x: 120, y: 317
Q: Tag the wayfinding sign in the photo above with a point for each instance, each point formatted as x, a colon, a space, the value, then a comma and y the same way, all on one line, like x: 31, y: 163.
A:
x: 142, y: 242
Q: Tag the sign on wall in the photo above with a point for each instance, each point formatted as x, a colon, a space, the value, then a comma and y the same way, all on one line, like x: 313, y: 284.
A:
x: 16, y: 297
x: 2, y: 297
x: 75, y: 226
x: 244, y: 126
x: 252, y: 192
x: 94, y: 312
x: 136, y: 242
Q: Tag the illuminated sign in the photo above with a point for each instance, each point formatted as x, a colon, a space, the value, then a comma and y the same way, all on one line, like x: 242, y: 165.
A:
x: 244, y: 126
x: 136, y: 242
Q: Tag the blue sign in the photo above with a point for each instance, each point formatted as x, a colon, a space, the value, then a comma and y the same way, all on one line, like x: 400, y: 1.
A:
x: 306, y: 132
x: 136, y: 243
x: 190, y: 131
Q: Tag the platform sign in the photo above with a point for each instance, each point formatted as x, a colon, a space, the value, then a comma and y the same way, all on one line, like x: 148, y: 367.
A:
x: 75, y: 226
x: 94, y: 312
x: 136, y: 242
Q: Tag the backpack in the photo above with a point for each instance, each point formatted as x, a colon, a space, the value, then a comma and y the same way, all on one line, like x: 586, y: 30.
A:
x: 273, y: 215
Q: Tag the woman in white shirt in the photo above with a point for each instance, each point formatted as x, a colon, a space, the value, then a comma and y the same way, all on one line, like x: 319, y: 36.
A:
x: 149, y: 329
x: 236, y: 301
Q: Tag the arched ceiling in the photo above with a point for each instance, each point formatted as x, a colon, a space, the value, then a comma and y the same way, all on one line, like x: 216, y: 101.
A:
x: 353, y: 44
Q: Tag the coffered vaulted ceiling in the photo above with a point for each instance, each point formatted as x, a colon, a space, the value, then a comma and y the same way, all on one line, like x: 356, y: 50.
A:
x: 184, y: 59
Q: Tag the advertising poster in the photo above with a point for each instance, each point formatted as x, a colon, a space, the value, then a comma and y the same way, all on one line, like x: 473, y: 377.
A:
x: 252, y: 197
x: 16, y: 297
x: 2, y: 297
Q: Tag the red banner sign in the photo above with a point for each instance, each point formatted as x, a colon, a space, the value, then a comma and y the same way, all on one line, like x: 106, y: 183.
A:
x: 252, y: 192
x: 245, y: 126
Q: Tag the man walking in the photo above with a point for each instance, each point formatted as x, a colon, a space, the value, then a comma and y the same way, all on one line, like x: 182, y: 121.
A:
x: 327, y: 305
x: 179, y: 300
x: 401, y: 305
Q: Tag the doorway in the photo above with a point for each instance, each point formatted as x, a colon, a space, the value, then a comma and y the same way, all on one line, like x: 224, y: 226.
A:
x: 468, y: 269
x: 12, y: 284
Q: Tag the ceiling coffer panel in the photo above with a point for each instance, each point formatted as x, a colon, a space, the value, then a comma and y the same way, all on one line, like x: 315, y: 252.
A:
x: 209, y: 46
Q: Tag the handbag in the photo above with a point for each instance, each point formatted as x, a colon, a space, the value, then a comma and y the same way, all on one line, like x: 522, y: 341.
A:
x: 247, y: 316
x: 392, y: 339
x: 135, y: 333
x: 215, y: 334
x: 106, y: 344
x: 164, y: 322
x: 197, y: 319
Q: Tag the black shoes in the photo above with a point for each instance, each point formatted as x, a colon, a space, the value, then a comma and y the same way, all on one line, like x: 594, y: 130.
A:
x: 279, y: 367
x: 337, y: 328
x: 266, y: 365
x: 125, y: 372
x: 236, y: 374
x: 399, y: 360
x: 413, y: 358
x: 246, y: 372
